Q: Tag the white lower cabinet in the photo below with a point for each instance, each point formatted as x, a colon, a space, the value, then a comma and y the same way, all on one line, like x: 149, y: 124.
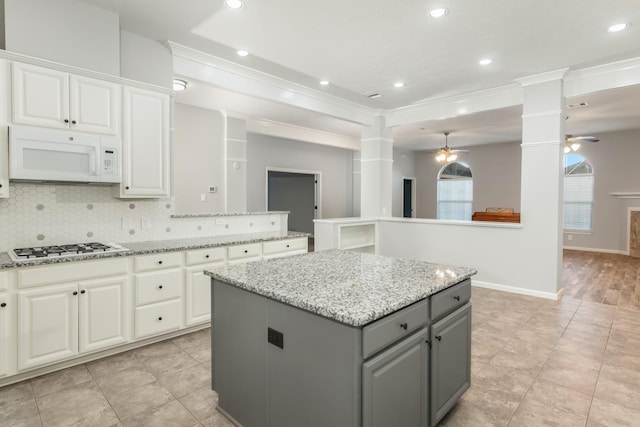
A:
x: 198, y: 294
x: 7, y: 343
x: 57, y: 322
x: 103, y: 309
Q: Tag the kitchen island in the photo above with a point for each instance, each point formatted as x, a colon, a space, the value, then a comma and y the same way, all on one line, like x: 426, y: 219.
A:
x: 341, y: 339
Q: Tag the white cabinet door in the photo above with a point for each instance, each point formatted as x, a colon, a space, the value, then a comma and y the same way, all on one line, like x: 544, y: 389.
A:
x: 145, y: 144
x: 198, y: 294
x: 7, y: 344
x: 95, y: 105
x: 40, y: 96
x: 47, y: 325
x: 103, y: 313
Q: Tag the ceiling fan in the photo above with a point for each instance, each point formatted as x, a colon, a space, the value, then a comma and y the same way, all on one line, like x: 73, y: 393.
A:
x: 446, y: 154
x: 572, y: 143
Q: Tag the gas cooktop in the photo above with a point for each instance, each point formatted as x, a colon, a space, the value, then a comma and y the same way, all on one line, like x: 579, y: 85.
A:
x: 74, y: 249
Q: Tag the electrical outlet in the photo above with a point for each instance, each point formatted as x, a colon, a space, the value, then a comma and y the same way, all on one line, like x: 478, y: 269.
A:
x: 570, y: 237
x: 145, y: 223
x: 220, y: 222
x: 203, y: 197
x: 126, y: 223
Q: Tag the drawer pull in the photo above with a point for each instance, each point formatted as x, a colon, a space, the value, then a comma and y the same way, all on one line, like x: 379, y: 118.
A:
x: 206, y: 256
x: 246, y: 251
x: 159, y: 286
x: 457, y: 297
x: 3, y: 305
x: 404, y: 325
x: 82, y: 291
x: 439, y: 337
x: 160, y: 318
x: 287, y: 245
x: 75, y: 292
x: 160, y: 262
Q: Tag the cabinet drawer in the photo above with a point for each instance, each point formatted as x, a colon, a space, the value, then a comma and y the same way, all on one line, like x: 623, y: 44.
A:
x: 157, y: 318
x: 156, y: 261
x: 70, y: 272
x: 155, y: 287
x: 448, y: 300
x: 202, y: 256
x: 387, y: 330
x: 269, y: 248
x: 245, y: 251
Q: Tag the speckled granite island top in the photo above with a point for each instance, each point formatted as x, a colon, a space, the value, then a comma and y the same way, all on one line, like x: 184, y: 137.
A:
x: 157, y: 246
x: 351, y: 288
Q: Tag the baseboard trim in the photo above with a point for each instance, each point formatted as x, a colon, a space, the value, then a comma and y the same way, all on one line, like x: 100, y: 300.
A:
x: 606, y: 251
x: 515, y: 290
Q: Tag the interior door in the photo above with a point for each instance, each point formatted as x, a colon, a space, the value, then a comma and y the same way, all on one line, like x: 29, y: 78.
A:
x: 293, y: 192
x: 407, y: 198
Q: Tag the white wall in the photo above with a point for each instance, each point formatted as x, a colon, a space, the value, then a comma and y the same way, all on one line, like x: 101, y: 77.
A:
x: 496, y: 170
x: 334, y: 163
x: 145, y: 60
x: 198, y: 159
x: 403, y: 167
x: 65, y: 31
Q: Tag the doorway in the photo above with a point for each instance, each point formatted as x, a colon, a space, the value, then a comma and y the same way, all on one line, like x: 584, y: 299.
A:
x: 296, y: 192
x: 408, y: 197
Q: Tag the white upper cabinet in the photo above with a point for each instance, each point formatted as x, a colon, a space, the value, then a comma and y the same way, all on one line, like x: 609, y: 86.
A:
x: 55, y: 99
x: 145, y: 144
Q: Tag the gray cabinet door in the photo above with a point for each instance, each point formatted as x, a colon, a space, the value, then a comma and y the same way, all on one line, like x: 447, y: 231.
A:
x: 450, y: 361
x: 395, y: 384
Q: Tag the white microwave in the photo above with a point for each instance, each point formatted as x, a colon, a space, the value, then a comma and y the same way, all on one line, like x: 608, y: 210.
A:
x: 38, y: 154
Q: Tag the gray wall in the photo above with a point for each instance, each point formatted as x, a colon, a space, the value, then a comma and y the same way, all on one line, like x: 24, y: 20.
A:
x: 403, y: 167
x: 496, y: 178
x: 198, y: 159
x: 294, y: 193
x: 335, y: 164
x: 65, y: 31
x: 145, y: 60
x: 615, y: 164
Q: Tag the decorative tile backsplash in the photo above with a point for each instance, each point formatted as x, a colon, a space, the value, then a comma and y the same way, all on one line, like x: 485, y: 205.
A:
x: 39, y: 214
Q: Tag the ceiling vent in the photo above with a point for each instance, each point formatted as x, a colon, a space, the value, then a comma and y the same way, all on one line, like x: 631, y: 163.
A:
x: 373, y: 95
x: 578, y: 105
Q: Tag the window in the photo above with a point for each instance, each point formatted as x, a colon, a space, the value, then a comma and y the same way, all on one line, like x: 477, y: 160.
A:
x: 578, y: 192
x: 455, y: 192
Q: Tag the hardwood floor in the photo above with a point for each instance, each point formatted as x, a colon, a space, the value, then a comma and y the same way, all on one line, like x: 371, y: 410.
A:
x: 600, y: 277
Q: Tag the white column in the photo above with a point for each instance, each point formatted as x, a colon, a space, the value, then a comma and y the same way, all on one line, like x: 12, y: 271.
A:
x: 376, y: 166
x: 542, y: 177
x: 236, y: 165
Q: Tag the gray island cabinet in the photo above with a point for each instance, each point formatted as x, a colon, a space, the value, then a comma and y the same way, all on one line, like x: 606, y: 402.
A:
x: 337, y: 338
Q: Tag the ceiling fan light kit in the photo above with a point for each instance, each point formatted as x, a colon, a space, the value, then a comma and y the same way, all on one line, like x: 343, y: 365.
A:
x: 446, y: 154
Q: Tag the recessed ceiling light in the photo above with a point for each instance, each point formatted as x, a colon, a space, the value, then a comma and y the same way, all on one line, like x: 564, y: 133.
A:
x: 242, y: 53
x: 179, y: 85
x: 234, y: 4
x: 485, y: 61
x: 324, y: 82
x: 398, y: 84
x: 438, y: 13
x: 618, y: 27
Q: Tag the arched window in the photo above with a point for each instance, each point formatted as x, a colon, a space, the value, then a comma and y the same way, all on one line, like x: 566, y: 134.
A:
x: 455, y: 192
x: 578, y: 192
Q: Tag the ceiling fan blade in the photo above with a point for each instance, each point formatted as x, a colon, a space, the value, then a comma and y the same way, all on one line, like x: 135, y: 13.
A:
x: 460, y: 151
x: 585, y: 138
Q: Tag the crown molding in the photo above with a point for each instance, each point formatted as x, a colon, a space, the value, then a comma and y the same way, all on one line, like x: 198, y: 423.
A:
x: 438, y: 109
x: 602, y: 77
x: 228, y: 75
x: 545, y: 77
x: 299, y: 133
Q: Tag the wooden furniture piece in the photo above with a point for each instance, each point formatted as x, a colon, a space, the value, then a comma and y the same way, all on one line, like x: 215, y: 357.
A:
x: 497, y: 215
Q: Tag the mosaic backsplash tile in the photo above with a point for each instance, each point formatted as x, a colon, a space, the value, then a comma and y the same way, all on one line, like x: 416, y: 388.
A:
x: 39, y: 214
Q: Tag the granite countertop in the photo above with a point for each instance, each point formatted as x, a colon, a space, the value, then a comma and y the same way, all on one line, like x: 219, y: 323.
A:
x: 349, y: 287
x: 157, y: 246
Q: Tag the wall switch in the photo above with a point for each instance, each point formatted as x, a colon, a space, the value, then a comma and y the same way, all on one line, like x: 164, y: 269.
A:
x: 203, y: 197
x: 126, y: 223
x: 213, y: 189
x: 145, y: 223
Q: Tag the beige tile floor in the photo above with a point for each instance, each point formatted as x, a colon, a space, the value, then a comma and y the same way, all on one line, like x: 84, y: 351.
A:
x: 535, y: 362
